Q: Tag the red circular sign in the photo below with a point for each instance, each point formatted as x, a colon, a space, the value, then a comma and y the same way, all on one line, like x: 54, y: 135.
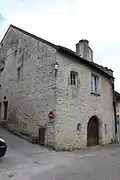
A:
x: 51, y: 115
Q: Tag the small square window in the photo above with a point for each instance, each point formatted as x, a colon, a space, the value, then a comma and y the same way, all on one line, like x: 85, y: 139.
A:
x: 95, y: 84
x: 73, y: 78
x: 79, y: 127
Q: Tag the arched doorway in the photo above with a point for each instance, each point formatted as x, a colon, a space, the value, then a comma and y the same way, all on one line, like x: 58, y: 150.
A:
x: 93, y: 131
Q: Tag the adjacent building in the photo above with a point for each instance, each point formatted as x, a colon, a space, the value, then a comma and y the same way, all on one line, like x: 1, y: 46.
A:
x: 60, y: 97
x: 117, y: 98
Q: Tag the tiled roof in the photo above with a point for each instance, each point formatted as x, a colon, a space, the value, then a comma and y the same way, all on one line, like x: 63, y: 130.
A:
x: 93, y: 65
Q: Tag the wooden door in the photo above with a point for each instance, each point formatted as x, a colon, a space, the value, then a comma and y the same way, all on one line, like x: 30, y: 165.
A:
x: 42, y: 135
x: 5, y: 110
x: 93, y: 132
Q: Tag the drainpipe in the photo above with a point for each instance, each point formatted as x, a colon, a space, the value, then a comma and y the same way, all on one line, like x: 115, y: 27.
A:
x: 114, y: 107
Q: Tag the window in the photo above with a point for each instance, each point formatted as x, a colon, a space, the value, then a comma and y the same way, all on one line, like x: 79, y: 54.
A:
x: 18, y: 73
x: 95, y: 84
x: 73, y: 78
x: 79, y: 127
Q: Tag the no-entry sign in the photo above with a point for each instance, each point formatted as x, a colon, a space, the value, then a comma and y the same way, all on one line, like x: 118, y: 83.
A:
x: 51, y: 115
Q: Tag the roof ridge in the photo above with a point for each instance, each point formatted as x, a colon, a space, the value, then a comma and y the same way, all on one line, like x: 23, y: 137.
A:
x: 29, y: 34
x: 101, y: 68
x: 58, y: 47
x: 89, y: 61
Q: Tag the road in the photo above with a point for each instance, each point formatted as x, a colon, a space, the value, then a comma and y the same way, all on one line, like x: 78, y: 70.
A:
x: 25, y: 161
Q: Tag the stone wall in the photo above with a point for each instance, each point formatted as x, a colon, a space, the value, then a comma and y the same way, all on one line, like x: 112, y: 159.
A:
x: 31, y: 96
x: 77, y: 105
x: 36, y: 92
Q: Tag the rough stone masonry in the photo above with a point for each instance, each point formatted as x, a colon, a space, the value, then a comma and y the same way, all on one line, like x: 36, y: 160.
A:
x: 29, y: 84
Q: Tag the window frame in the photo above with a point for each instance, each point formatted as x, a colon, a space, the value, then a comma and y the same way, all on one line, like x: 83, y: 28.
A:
x: 95, y: 84
x: 79, y: 127
x: 73, y: 78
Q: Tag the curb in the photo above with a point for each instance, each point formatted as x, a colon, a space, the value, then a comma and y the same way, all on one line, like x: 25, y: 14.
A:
x: 30, y: 140
x: 17, y: 134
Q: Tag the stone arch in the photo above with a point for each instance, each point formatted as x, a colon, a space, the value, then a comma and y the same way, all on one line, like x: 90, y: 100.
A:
x: 93, y: 131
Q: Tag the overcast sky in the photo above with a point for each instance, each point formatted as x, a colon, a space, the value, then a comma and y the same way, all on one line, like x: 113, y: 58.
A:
x: 65, y: 22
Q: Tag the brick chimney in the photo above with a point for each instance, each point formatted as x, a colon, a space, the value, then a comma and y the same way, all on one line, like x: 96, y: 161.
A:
x: 83, y: 50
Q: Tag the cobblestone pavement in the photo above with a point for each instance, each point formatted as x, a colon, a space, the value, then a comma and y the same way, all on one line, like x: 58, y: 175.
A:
x: 25, y: 161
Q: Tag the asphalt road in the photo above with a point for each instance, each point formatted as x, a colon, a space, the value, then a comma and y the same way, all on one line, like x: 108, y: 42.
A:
x: 25, y: 161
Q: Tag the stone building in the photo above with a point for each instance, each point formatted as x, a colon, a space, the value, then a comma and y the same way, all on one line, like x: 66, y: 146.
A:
x: 51, y: 93
x: 117, y: 97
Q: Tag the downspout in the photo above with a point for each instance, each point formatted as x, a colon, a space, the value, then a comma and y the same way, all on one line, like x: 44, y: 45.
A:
x: 114, y: 107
